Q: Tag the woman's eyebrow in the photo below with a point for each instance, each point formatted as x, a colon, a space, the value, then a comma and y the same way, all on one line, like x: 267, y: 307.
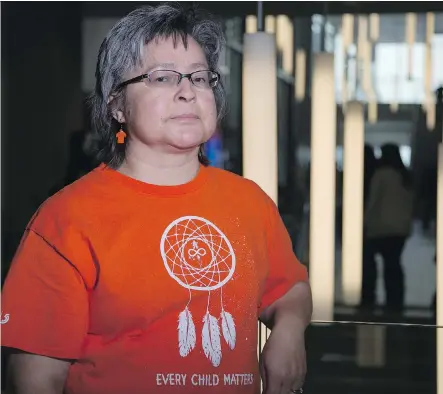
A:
x: 160, y: 65
x: 195, y: 65
x: 172, y: 66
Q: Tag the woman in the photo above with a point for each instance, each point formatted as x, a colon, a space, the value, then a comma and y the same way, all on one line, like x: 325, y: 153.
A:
x: 388, y: 220
x: 148, y: 274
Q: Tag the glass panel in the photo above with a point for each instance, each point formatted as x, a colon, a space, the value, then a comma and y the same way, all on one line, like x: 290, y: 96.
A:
x: 389, y: 64
x: 400, y: 264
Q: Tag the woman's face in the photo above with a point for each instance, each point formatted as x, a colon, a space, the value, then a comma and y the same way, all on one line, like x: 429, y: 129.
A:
x: 170, y: 119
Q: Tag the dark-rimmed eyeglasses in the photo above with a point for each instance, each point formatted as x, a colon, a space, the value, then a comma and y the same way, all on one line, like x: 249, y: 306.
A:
x: 202, y: 79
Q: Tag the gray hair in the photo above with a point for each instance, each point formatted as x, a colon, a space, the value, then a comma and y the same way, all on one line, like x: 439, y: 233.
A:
x: 122, y: 51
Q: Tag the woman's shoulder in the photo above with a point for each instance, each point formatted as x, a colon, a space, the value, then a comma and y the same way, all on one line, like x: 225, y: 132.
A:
x: 242, y: 192
x: 70, y: 204
x: 236, y: 182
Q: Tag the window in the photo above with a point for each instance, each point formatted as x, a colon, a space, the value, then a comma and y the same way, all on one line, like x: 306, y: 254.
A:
x: 389, y: 68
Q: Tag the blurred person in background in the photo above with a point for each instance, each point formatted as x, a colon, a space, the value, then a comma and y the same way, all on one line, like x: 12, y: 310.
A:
x: 388, y: 220
x: 149, y: 273
x: 369, y: 166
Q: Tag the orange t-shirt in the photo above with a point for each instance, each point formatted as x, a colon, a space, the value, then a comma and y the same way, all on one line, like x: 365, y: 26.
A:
x: 151, y: 289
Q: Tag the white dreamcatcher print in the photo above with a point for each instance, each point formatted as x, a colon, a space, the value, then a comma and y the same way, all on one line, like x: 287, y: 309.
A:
x: 199, y: 257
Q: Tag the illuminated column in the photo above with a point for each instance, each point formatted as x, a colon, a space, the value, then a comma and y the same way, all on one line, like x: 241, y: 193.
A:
x: 429, y: 104
x: 430, y: 113
x: 366, y: 51
x: 362, y: 37
x: 285, y: 41
x: 300, y: 74
x: 260, y: 120
x: 251, y: 24
x: 367, y: 83
x: 411, y: 27
x: 347, y: 39
x: 439, y: 244
x: 260, y: 111
x: 353, y: 168
x: 372, y: 108
x: 270, y: 24
x: 322, y: 195
x: 347, y: 31
x: 374, y: 27
x: 394, y: 104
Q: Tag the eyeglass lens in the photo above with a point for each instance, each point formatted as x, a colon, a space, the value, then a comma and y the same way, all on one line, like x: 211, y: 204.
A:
x: 168, y: 78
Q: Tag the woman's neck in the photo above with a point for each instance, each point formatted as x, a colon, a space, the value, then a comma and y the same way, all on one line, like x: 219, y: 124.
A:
x: 161, y: 168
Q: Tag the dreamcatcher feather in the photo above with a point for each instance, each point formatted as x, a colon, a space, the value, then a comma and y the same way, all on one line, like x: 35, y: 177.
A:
x: 211, y: 339
x: 186, y: 333
x: 228, y: 328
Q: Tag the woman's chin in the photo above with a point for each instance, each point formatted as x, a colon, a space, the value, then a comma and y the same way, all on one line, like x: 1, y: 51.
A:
x: 188, y: 140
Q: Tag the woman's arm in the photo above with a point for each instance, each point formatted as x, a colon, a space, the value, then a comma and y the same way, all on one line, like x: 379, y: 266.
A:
x: 34, y: 374
x: 293, y: 309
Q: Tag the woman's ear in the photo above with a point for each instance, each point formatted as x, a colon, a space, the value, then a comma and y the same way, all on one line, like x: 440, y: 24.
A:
x: 119, y: 116
x: 117, y: 113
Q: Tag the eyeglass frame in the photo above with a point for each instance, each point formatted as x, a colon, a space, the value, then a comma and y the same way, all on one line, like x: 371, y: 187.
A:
x: 147, y: 76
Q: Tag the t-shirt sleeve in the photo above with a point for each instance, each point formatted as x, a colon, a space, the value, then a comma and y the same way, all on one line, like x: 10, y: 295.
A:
x: 44, y: 301
x: 284, y: 270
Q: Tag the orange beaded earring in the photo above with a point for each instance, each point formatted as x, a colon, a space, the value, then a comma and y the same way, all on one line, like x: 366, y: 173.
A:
x: 120, y: 135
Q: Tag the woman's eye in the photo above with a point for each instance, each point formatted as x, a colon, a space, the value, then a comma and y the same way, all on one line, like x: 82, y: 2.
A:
x: 161, y: 79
